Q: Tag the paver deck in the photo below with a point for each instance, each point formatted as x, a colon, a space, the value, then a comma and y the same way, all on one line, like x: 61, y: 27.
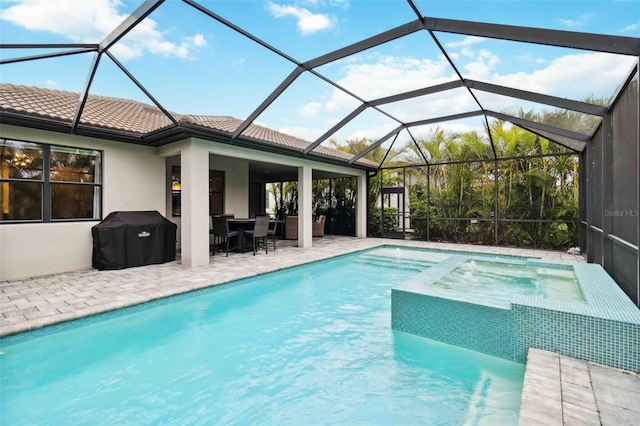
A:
x: 36, y: 302
x: 560, y: 390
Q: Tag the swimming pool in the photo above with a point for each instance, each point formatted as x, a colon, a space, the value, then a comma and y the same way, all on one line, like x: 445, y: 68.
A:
x: 311, y: 344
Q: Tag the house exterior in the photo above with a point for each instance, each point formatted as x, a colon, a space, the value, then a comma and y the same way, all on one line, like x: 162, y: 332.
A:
x: 62, y: 172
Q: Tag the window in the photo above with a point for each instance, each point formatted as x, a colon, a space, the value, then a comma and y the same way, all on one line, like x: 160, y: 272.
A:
x: 47, y: 183
x: 176, y: 190
x: 216, y: 191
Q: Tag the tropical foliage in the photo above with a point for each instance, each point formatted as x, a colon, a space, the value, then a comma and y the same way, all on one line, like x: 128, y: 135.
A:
x: 536, y: 189
x: 528, y: 196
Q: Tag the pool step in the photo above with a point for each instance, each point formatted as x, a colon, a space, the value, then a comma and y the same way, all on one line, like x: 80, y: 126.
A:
x: 420, y: 263
x: 384, y: 265
x: 414, y: 264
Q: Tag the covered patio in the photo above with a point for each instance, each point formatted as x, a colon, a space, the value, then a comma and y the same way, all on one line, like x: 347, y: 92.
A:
x: 246, y: 174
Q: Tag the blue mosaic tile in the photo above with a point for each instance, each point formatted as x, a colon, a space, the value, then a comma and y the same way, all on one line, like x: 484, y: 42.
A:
x: 539, y: 263
x: 480, y: 328
x: 604, y: 329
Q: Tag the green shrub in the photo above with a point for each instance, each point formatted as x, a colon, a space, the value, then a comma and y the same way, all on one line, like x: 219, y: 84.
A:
x: 390, y: 220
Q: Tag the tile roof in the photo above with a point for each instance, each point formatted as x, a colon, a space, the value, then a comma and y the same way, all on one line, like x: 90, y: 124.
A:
x: 138, y: 118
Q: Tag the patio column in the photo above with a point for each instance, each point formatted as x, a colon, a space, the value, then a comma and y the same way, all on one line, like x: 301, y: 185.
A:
x: 194, y: 162
x: 361, y: 206
x: 305, y: 208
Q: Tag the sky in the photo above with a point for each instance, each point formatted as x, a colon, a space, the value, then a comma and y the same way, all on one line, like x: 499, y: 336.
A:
x: 193, y: 64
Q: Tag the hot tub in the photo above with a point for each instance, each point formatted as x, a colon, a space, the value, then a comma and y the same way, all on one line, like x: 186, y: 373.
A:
x: 504, y: 306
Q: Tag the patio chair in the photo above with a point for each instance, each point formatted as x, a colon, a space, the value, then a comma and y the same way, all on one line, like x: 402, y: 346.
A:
x: 221, y: 233
x: 291, y: 227
x: 271, y: 232
x: 272, y: 229
x: 259, y: 234
x: 318, y: 227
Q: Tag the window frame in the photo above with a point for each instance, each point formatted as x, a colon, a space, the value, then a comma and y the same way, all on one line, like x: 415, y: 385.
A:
x: 46, y: 184
x: 221, y: 192
x: 176, y: 194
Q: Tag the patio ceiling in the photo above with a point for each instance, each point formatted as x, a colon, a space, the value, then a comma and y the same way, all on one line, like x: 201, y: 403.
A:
x: 433, y: 34
x: 271, y: 172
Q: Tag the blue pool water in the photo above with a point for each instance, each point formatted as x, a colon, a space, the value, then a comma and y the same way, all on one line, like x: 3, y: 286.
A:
x: 308, y: 345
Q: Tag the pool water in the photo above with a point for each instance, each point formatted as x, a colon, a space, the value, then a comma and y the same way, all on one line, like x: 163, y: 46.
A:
x: 307, y: 345
x: 499, y: 280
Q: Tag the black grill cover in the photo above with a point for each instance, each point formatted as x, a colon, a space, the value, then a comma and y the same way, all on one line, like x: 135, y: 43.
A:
x: 134, y: 238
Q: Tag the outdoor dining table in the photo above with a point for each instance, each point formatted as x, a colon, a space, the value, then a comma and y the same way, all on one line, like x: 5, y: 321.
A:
x: 241, y: 225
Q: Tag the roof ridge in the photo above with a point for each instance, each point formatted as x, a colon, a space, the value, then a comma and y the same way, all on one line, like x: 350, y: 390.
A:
x: 44, y: 90
x: 35, y: 89
x: 206, y: 116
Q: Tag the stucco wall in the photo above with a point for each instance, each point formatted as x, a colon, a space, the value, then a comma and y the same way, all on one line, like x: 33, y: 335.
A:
x: 236, y: 191
x: 236, y: 182
x: 134, y: 179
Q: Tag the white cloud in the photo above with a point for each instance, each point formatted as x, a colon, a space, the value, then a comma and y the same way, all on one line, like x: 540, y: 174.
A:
x: 79, y: 21
x: 482, y: 65
x: 369, y: 132
x: 573, y: 76
x: 567, y: 22
x: 91, y: 21
x: 467, y: 41
x: 51, y: 83
x: 308, y: 22
x: 386, y: 76
x: 390, y: 75
x: 458, y: 126
x: 198, y: 40
x: 306, y: 133
x: 340, y: 3
x: 311, y: 109
x: 333, y: 106
x: 468, y: 52
x: 631, y: 28
x: 431, y: 106
x: 578, y: 22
